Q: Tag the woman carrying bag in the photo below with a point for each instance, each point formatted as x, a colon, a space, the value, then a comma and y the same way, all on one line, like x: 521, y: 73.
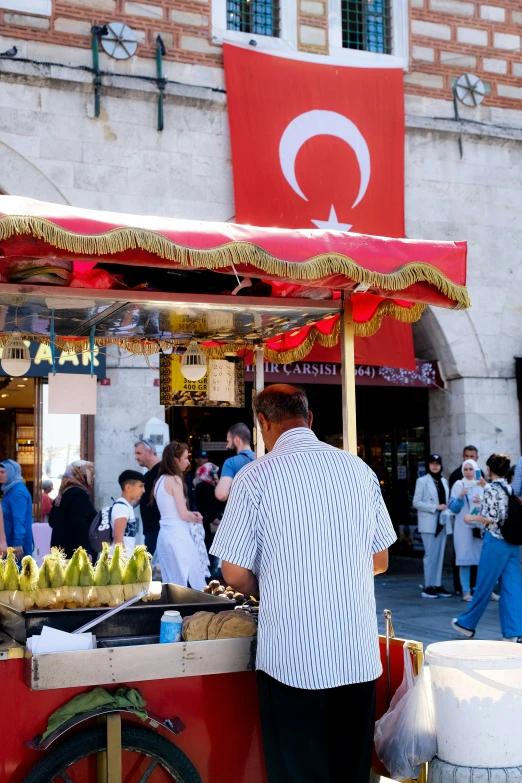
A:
x: 466, y: 498
x: 431, y: 501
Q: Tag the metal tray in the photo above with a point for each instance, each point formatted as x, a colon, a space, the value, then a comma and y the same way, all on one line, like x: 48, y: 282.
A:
x: 141, y: 619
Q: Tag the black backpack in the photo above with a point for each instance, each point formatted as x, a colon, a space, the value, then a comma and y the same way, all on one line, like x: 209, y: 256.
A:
x: 511, y: 526
x: 100, y: 529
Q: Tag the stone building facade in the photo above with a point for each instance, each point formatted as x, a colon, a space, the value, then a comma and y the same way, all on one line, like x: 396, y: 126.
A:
x: 53, y: 148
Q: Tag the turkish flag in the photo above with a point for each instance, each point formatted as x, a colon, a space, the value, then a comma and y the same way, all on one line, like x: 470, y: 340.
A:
x: 313, y: 145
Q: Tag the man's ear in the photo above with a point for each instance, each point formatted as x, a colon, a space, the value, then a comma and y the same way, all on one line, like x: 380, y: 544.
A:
x: 264, y: 423
x: 310, y: 419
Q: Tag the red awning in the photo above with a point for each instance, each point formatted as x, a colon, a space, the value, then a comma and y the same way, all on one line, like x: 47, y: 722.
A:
x: 386, y: 277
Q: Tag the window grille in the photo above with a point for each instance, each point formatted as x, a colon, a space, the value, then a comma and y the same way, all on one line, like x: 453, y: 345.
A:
x: 367, y: 25
x: 254, y: 16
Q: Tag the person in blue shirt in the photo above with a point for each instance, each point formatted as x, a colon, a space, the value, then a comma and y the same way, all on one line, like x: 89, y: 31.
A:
x: 17, y: 507
x: 238, y: 440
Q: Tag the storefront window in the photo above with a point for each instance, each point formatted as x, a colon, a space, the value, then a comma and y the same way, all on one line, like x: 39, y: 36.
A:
x: 61, y: 442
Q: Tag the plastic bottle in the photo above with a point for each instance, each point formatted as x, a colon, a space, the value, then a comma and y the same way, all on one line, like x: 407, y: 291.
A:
x: 171, y: 625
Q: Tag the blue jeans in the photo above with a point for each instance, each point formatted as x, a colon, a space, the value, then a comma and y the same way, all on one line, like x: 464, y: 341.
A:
x: 498, y: 560
x: 465, y: 578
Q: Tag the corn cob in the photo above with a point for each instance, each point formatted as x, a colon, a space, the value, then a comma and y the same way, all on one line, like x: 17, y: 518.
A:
x: 10, y: 571
x: 44, y: 579
x: 28, y: 579
x: 2, y: 568
x: 144, y: 559
x: 102, y: 576
x: 86, y: 571
x: 56, y: 562
x: 130, y: 573
x: 72, y: 572
x: 116, y: 566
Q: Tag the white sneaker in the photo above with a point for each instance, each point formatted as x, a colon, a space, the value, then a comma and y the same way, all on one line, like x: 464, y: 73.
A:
x: 460, y: 629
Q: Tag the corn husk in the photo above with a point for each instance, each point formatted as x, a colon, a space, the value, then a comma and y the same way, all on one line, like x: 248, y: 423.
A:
x: 153, y: 591
x: 89, y: 596
x: 103, y: 595
x: 86, y: 570
x: 5, y: 597
x: 10, y: 571
x: 28, y: 579
x: 72, y: 572
x: 116, y: 567
x: 44, y: 579
x: 102, y: 575
x: 2, y: 567
x: 130, y: 572
x: 144, y: 560
x: 46, y: 597
x: 56, y: 566
x: 116, y: 593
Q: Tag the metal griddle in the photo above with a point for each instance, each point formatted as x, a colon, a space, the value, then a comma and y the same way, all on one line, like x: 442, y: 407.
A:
x: 142, y: 619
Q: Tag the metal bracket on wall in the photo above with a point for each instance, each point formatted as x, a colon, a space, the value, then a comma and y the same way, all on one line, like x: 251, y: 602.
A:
x: 96, y: 31
x: 160, y: 80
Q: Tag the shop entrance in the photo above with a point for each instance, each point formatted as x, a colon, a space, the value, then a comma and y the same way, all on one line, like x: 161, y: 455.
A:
x: 392, y: 434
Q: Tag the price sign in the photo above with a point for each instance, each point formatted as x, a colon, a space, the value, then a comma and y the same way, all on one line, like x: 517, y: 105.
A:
x: 221, y: 381
x: 223, y: 385
x: 220, y: 322
x: 186, y: 323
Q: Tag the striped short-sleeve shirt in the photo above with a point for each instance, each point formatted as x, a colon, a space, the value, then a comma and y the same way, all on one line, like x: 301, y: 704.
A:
x: 307, y: 519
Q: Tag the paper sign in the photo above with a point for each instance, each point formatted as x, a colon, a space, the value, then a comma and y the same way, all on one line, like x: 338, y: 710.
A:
x: 72, y: 393
x: 221, y: 381
x: 51, y: 640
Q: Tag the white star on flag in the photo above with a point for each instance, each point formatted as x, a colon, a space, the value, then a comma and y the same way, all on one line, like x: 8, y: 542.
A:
x: 332, y: 222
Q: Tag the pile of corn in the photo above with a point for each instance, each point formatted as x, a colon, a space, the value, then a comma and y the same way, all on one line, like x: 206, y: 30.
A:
x: 59, y: 584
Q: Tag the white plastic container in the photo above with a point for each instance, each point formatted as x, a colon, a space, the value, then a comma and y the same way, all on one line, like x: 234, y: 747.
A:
x: 171, y: 626
x: 477, y: 695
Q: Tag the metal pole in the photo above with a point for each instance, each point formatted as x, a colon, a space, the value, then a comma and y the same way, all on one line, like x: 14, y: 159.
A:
x: 97, y: 78
x: 348, y: 372
x: 160, y: 80
x: 259, y: 357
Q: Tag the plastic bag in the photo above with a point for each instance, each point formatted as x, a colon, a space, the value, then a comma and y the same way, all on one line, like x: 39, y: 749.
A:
x: 405, y: 737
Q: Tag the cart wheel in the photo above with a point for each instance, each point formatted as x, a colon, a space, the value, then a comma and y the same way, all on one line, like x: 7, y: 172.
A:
x: 146, y: 757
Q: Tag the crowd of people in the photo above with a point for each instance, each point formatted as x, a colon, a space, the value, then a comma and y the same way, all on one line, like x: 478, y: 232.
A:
x: 474, y: 508
x: 180, y: 507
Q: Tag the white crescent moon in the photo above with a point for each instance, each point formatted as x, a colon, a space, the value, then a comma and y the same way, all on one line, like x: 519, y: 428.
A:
x: 322, y: 123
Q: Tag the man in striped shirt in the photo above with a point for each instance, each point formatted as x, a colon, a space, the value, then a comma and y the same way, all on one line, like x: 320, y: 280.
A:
x: 306, y: 528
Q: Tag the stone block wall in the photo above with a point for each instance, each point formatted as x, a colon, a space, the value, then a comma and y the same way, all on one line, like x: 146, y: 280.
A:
x: 452, y: 37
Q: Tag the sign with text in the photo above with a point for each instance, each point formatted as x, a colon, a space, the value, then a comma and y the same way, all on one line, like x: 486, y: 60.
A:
x: 66, y: 361
x: 223, y: 386
x: 426, y: 374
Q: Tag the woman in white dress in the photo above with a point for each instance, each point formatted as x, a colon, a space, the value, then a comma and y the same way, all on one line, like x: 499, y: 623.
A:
x: 466, y: 498
x: 181, y: 535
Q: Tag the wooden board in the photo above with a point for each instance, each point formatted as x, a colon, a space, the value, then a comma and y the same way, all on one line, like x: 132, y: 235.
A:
x: 116, y: 665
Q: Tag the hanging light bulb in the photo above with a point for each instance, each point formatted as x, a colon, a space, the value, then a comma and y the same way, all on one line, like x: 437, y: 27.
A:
x: 16, y: 359
x: 193, y: 363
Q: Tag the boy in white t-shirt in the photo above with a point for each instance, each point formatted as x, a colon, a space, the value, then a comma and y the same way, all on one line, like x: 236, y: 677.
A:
x: 123, y: 521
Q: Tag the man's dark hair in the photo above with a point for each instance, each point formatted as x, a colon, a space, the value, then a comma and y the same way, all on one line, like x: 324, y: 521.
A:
x: 281, y: 404
x: 240, y: 431
x: 499, y: 464
x: 129, y: 477
x: 470, y: 448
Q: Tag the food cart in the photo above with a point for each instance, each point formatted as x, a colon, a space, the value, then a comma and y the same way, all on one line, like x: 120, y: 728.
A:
x: 319, y: 287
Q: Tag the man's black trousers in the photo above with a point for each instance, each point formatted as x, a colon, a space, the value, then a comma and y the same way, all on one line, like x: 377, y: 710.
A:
x: 323, y: 736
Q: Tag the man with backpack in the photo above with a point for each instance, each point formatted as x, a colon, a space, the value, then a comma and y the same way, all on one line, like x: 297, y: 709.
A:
x: 238, y: 441
x: 116, y: 524
x: 501, y: 516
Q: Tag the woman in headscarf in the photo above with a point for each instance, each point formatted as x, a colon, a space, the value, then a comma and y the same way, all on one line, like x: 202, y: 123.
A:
x: 466, y: 498
x: 211, y: 508
x: 73, y: 511
x: 17, y: 507
x: 431, y: 501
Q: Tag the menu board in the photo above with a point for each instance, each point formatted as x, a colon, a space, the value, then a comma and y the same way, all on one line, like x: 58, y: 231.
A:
x: 223, y: 386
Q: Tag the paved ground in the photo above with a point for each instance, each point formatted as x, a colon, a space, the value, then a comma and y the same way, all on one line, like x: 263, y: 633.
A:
x: 421, y: 619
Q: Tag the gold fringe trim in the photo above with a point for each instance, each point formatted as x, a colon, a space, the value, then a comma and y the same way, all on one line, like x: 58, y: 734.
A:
x: 125, y: 238
x: 314, y: 337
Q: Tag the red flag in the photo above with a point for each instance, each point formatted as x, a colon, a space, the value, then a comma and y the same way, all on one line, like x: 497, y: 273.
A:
x: 316, y: 145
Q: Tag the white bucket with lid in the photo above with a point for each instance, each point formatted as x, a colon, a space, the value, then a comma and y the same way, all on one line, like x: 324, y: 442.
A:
x: 477, y: 694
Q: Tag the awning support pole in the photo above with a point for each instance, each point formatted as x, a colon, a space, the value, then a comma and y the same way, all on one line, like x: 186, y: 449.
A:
x: 348, y: 373
x: 259, y: 386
